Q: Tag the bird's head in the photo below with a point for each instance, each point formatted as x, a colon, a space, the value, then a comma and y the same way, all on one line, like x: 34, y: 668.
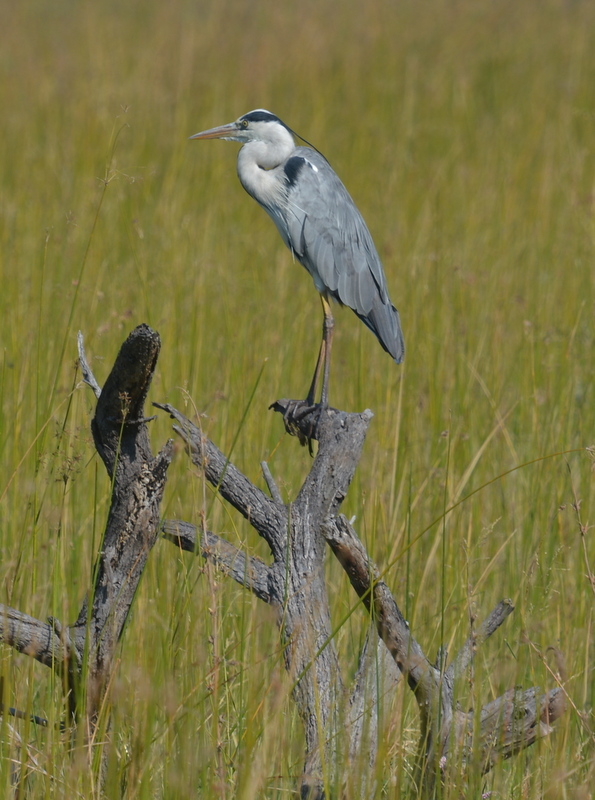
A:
x: 255, y: 126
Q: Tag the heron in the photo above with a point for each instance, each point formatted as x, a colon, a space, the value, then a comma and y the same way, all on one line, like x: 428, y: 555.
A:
x: 321, y: 226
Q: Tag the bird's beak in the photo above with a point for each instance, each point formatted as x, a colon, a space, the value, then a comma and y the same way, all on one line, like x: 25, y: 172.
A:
x: 222, y: 132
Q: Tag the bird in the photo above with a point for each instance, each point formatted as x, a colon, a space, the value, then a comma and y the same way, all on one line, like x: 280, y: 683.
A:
x: 321, y: 226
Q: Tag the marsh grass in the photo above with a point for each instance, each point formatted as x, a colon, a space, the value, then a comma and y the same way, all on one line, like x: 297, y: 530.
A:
x: 465, y: 133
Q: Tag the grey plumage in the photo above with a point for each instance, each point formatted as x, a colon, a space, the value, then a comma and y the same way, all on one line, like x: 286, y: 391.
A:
x: 317, y: 220
x: 321, y: 224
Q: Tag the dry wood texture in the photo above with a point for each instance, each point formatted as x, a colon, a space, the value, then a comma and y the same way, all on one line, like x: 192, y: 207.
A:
x: 138, y: 480
x: 336, y: 720
x: 294, y: 585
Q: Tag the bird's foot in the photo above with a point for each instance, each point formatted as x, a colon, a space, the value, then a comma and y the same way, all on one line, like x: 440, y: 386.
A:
x: 301, y: 418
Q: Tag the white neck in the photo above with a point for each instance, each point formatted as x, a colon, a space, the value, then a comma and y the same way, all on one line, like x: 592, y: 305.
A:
x: 258, y: 162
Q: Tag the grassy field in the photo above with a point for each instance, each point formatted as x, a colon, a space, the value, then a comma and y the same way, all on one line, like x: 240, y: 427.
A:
x: 465, y: 131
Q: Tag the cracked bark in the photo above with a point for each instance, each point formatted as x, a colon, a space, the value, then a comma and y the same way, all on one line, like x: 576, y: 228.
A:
x: 508, y: 724
x: 138, y: 480
x: 294, y: 584
x: 335, y: 720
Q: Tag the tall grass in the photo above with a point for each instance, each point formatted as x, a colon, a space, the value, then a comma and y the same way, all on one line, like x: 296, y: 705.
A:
x: 465, y: 133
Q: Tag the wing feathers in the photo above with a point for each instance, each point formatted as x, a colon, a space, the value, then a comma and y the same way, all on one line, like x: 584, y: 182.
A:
x: 330, y: 238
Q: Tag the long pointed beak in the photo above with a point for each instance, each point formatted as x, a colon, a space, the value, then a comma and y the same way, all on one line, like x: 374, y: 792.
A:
x: 222, y: 132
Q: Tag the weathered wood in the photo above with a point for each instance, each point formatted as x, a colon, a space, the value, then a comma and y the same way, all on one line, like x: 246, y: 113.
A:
x: 477, y: 638
x: 295, y: 580
x: 265, y: 516
x: 37, y: 639
x: 122, y: 440
x: 514, y: 721
x: 296, y: 534
x: 250, y: 572
x: 86, y: 370
x: 508, y: 724
x: 393, y: 628
x: 370, y: 699
x: 138, y: 480
x: 295, y: 586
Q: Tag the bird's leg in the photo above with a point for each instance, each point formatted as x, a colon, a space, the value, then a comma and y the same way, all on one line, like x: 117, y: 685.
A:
x: 294, y: 411
x: 327, y: 340
x: 311, y: 396
x: 323, y: 358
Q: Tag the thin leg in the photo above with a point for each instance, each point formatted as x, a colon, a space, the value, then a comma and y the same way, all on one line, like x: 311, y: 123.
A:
x: 295, y: 411
x: 323, y: 359
x: 311, y: 398
x: 327, y: 340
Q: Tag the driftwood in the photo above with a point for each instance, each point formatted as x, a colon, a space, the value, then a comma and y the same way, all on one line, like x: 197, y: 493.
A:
x: 294, y: 585
x: 138, y: 480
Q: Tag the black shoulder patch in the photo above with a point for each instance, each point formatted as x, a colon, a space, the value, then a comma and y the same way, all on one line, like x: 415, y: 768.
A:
x: 293, y: 167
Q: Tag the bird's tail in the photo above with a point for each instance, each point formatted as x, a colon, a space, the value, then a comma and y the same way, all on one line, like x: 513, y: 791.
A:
x: 384, y: 321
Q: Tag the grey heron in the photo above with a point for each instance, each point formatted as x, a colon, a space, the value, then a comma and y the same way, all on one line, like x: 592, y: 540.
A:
x: 320, y: 224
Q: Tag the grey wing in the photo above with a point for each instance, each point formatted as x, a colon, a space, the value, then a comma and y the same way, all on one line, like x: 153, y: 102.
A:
x: 330, y: 238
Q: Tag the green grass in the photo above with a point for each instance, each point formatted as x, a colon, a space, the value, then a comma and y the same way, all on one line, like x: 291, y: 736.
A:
x: 464, y: 131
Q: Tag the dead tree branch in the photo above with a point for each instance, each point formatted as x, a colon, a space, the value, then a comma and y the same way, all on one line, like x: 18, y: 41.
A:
x: 37, y: 639
x: 295, y: 584
x: 508, y: 724
x: 138, y: 480
x: 248, y: 571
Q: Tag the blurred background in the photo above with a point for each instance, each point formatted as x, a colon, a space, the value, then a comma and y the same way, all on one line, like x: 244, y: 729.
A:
x: 465, y: 133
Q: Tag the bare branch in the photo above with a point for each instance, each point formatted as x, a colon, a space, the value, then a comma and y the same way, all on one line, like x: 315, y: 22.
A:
x: 266, y: 516
x: 43, y: 641
x: 507, y: 725
x: 371, y: 694
x: 122, y: 440
x: 248, y: 571
x: 294, y: 584
x: 270, y: 481
x: 295, y: 580
x: 515, y: 721
x: 88, y: 376
x: 477, y: 638
x: 392, y: 626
